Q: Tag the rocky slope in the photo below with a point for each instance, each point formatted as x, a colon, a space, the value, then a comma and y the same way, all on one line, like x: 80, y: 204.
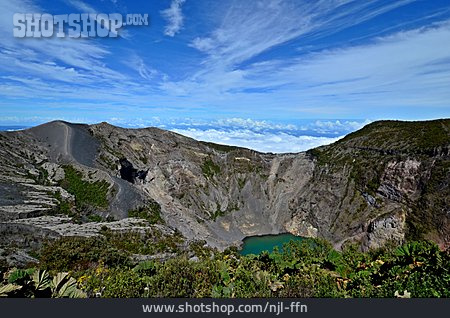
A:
x: 387, y: 182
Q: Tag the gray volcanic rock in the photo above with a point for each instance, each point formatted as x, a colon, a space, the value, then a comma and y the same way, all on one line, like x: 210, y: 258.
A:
x: 381, y: 184
x: 385, y: 229
x: 16, y: 258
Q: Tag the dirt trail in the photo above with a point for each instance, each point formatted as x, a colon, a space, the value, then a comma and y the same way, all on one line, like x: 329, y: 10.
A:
x: 72, y: 143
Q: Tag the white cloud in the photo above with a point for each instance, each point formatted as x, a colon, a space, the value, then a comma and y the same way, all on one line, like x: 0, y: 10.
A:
x: 235, y: 122
x: 174, y: 17
x: 265, y: 142
x: 266, y: 136
x: 262, y: 135
x: 136, y: 63
x: 67, y: 60
x: 248, y: 28
x: 80, y: 5
x: 338, y: 126
x: 389, y: 75
x: 382, y: 78
x: 86, y: 8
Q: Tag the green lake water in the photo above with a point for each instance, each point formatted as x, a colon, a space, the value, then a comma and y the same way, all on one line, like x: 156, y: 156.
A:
x: 257, y: 244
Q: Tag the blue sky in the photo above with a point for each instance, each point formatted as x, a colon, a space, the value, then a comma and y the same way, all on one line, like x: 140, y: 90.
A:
x: 271, y: 75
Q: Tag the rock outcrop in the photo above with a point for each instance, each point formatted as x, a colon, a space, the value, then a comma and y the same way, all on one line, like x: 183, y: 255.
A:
x: 388, y: 182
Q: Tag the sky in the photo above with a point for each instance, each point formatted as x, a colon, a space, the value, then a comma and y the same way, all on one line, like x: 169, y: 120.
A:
x: 272, y: 75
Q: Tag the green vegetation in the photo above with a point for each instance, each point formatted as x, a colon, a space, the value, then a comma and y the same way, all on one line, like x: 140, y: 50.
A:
x: 94, y: 218
x: 113, y: 249
x: 321, y: 155
x: 76, y: 253
x: 386, y: 138
x: 87, y: 194
x: 367, y: 180
x: 38, y: 283
x: 401, y: 135
x: 209, y: 168
x: 247, y: 167
x: 241, y: 182
x: 310, y: 268
x: 432, y: 206
x: 151, y: 212
x: 219, y: 147
x: 108, y: 162
x: 64, y: 207
x: 42, y: 178
x: 365, y: 154
x: 219, y: 212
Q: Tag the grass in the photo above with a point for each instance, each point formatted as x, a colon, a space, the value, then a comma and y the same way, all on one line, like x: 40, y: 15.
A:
x: 241, y: 183
x: 386, y: 138
x: 223, y: 148
x: 94, y: 218
x: 209, y: 168
x: 220, y: 212
x: 87, y: 194
x: 151, y: 212
x: 321, y: 155
x: 402, y: 136
x: 64, y: 207
x: 43, y: 177
x: 109, y: 163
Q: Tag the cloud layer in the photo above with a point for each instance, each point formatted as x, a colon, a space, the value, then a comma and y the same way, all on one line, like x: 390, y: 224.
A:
x: 174, y: 17
x: 278, y: 142
x: 267, y: 59
x: 266, y: 136
x: 261, y: 135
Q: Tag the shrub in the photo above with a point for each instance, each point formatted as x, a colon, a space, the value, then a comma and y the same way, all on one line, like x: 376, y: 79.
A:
x: 151, y: 212
x: 78, y: 253
x: 87, y: 194
x: 209, y: 168
x: 310, y: 268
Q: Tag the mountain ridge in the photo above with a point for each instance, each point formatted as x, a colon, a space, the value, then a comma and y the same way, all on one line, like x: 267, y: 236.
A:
x: 386, y: 183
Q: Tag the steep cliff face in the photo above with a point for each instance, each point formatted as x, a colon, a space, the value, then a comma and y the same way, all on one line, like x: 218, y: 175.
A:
x: 209, y: 192
x: 394, y: 186
x: 385, y: 183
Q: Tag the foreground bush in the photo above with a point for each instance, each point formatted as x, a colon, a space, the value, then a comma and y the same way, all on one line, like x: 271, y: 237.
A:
x: 38, y: 283
x: 311, y: 268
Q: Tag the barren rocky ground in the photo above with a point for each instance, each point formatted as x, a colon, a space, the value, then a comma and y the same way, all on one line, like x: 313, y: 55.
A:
x: 386, y: 183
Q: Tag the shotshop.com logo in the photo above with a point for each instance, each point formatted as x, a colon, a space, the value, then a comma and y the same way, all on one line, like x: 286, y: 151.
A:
x: 74, y: 25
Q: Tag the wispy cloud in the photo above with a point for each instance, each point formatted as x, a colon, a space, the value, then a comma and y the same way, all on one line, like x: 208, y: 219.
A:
x: 86, y: 8
x: 402, y: 70
x: 247, y: 59
x: 64, y: 60
x: 249, y: 28
x: 174, y: 17
x: 80, y: 5
x: 136, y: 63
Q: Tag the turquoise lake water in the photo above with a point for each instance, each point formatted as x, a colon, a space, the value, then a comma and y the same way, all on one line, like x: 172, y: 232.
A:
x: 257, y: 244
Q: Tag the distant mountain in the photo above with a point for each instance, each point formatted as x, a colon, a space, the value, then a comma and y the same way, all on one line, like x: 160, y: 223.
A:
x: 386, y: 183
